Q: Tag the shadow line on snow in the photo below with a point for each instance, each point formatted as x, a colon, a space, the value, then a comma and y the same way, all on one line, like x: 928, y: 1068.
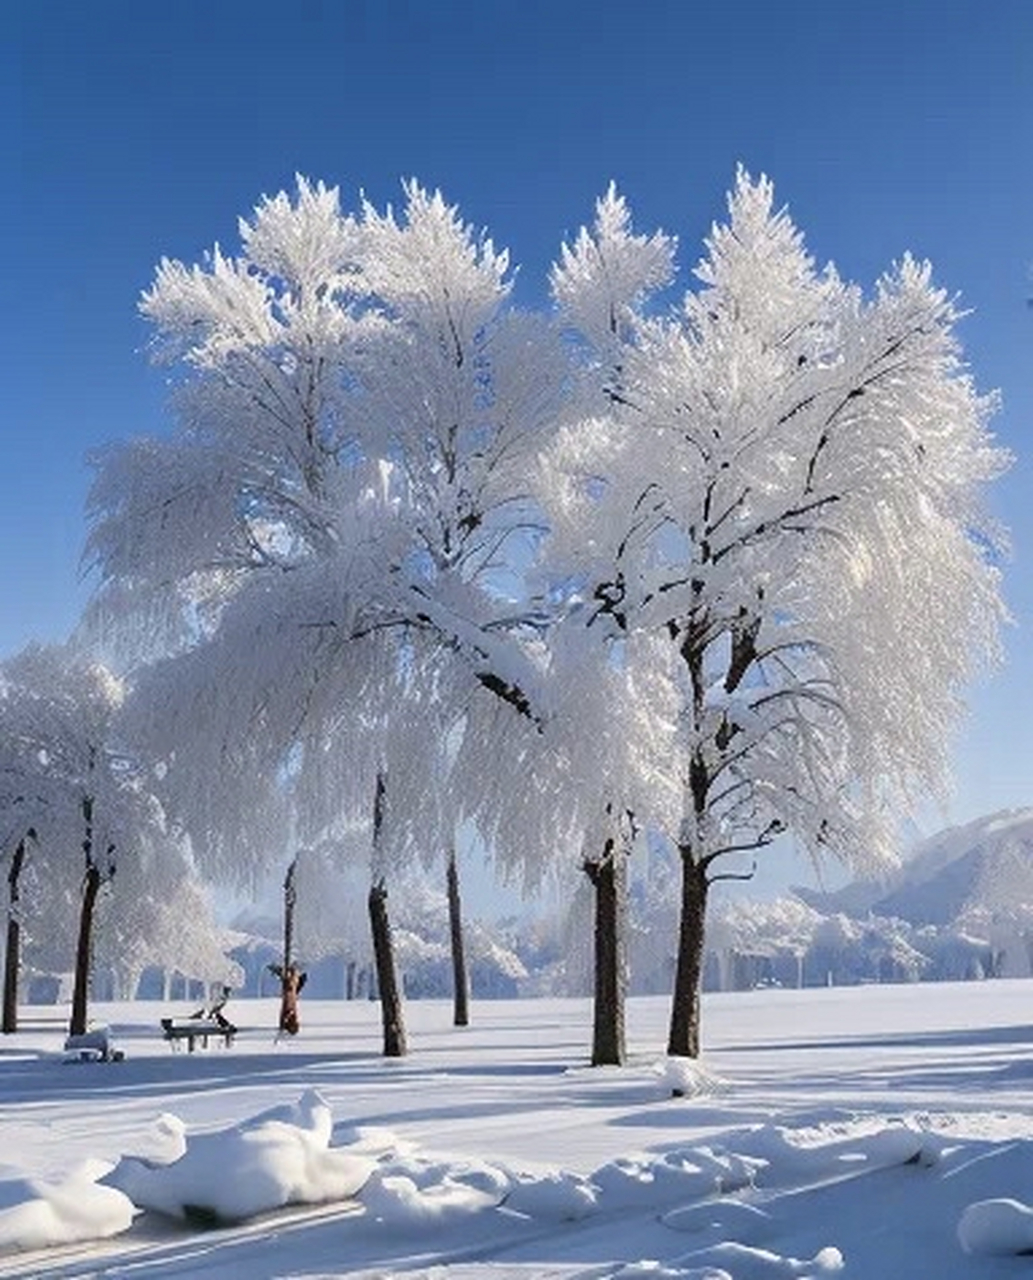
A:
x: 959, y: 1039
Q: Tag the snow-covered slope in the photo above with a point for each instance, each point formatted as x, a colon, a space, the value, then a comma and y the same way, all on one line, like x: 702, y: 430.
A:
x: 985, y: 866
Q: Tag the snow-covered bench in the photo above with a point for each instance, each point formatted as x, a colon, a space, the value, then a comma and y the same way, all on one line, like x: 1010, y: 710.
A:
x: 194, y: 1030
x: 92, y: 1046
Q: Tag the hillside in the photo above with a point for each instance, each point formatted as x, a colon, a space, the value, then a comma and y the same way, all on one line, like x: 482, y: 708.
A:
x: 984, y: 867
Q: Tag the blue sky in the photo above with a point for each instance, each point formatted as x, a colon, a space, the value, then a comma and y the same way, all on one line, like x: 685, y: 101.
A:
x: 136, y: 130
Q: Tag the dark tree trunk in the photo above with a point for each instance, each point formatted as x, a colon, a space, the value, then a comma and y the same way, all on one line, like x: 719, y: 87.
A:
x: 83, y: 951
x: 290, y: 902
x: 460, y: 977
x: 12, y: 962
x: 683, y: 1039
x: 608, y: 880
x: 92, y: 881
x: 12, y: 953
x: 387, y: 978
x: 391, y: 1012
x: 349, y: 980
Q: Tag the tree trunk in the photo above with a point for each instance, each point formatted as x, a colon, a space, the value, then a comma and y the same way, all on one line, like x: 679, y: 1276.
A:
x: 12, y: 954
x: 608, y: 881
x: 387, y: 978
x: 83, y: 950
x: 683, y: 1038
x: 460, y: 977
x: 290, y: 902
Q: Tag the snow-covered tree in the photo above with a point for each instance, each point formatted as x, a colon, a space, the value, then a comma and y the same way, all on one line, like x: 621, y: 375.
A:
x: 64, y: 779
x: 356, y: 407
x: 763, y: 526
x: 344, y: 503
x: 15, y: 852
x: 161, y: 916
x: 783, y: 479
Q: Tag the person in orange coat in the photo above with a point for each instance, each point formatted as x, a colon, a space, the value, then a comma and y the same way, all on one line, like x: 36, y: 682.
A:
x: 292, y: 979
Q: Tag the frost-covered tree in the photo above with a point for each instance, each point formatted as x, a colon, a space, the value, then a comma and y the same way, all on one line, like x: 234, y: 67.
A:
x: 161, y: 916
x: 763, y: 521
x: 783, y: 479
x: 28, y: 795
x: 356, y: 404
x: 65, y: 780
x: 345, y: 502
x: 16, y: 851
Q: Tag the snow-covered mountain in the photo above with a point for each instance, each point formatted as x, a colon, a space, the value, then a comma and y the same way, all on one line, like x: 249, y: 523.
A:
x: 984, y: 867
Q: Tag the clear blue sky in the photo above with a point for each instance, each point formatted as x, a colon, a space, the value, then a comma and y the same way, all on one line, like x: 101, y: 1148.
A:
x: 135, y: 130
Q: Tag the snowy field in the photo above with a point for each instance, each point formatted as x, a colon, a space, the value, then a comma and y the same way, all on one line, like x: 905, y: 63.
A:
x: 875, y: 1133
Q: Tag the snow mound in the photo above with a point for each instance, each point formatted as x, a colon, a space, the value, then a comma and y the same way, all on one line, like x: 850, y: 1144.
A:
x: 996, y: 1228
x: 163, y: 1143
x: 689, y: 1174
x: 407, y: 1192
x: 556, y: 1196
x: 835, y: 1150
x: 279, y: 1157
x: 38, y: 1213
x: 685, y: 1078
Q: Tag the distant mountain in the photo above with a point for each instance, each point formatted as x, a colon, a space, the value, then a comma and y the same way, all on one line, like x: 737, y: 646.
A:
x: 983, y: 866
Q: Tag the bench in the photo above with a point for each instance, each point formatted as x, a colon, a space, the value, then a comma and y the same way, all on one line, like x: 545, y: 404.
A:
x: 193, y: 1030
x: 92, y: 1046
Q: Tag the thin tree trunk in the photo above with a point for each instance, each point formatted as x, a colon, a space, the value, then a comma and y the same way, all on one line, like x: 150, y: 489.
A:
x: 12, y: 964
x: 608, y: 1036
x: 83, y: 950
x: 460, y: 976
x: 290, y: 902
x: 683, y: 1038
x: 387, y: 978
x: 92, y: 881
x: 12, y: 954
x: 383, y: 944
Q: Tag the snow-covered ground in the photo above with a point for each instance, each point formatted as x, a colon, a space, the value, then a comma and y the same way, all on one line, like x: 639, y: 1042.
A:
x: 883, y: 1133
